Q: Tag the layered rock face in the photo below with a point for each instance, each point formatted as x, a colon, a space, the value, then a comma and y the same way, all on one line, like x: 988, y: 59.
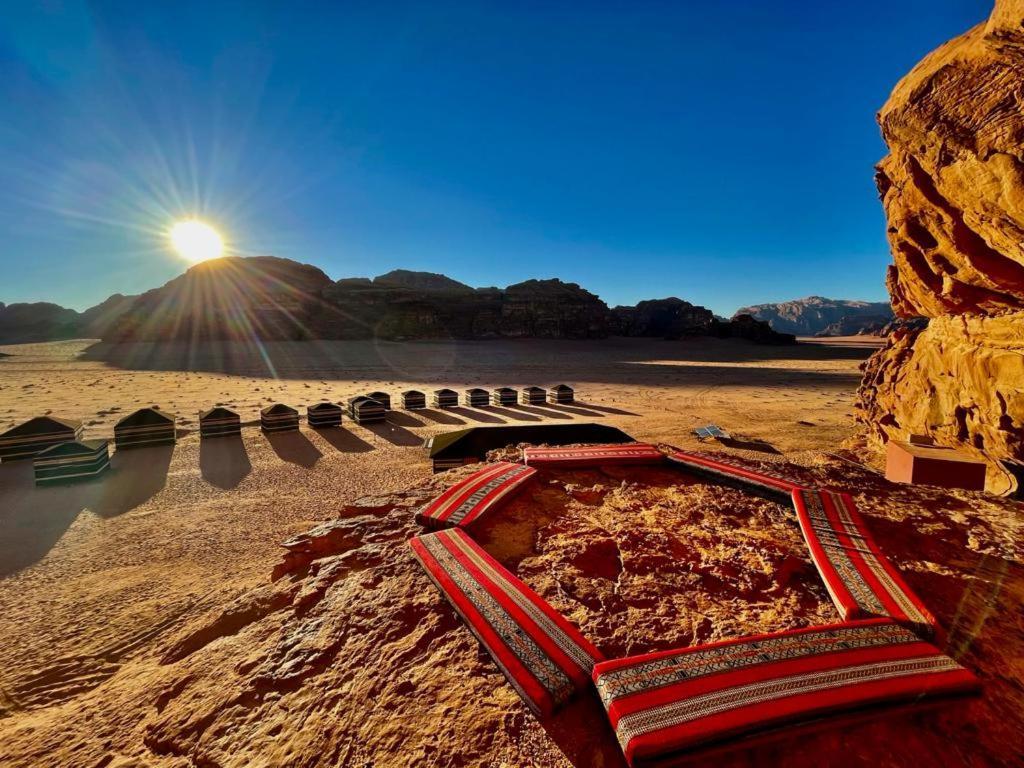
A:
x: 953, y: 191
x: 816, y: 315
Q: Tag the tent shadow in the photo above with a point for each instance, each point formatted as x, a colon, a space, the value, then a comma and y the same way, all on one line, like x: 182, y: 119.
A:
x: 403, y: 419
x: 395, y: 434
x: 223, y: 461
x: 606, y: 409
x: 477, y: 415
x: 542, y: 412
x: 517, y: 415
x: 440, y: 417
x: 749, y: 445
x: 136, y: 475
x: 32, y: 520
x: 575, y: 409
x: 294, y: 447
x: 344, y: 441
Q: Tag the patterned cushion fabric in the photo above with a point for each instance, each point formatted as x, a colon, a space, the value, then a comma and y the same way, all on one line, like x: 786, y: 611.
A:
x: 543, y: 656
x: 467, y: 500
x: 593, y: 455
x: 860, y: 579
x: 663, y: 704
x: 759, y: 481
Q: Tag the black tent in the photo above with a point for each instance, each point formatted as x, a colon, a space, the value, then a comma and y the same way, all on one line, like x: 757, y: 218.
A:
x: 465, y: 446
x: 147, y: 426
x: 561, y: 393
x: 413, y: 399
x: 219, y: 422
x: 323, y: 415
x: 363, y: 410
x: 445, y: 398
x: 504, y: 396
x: 476, y: 397
x: 29, y: 438
x: 532, y: 396
x: 71, y: 462
x: 383, y: 398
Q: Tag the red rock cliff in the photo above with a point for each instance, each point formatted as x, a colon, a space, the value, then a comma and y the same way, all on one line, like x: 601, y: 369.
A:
x: 953, y: 191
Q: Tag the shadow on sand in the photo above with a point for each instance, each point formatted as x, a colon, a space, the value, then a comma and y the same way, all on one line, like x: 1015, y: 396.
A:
x: 575, y: 409
x: 403, y: 419
x: 32, y: 520
x: 477, y: 415
x: 537, y: 410
x: 224, y: 461
x: 515, y: 415
x: 439, y: 417
x: 395, y: 434
x: 135, y: 476
x: 344, y: 441
x: 294, y: 447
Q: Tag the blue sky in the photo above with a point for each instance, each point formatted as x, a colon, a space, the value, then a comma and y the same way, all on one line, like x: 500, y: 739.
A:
x: 720, y: 152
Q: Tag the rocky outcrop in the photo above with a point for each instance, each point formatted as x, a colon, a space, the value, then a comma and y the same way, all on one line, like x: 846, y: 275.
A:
x: 866, y: 325
x: 953, y: 191
x: 669, y: 318
x: 38, y: 321
x: 817, y: 315
x: 746, y: 327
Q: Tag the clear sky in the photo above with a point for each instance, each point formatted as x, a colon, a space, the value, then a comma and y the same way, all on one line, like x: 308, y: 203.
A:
x: 717, y: 151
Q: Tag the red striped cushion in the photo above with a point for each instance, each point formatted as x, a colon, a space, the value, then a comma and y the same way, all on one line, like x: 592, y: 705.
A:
x: 468, y: 499
x: 721, y: 469
x: 545, y: 658
x: 593, y: 455
x: 860, y: 579
x: 663, y: 704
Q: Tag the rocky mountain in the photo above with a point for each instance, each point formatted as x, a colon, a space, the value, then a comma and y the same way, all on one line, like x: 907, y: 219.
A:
x: 668, y: 318
x: 270, y: 298
x: 817, y: 315
x: 952, y: 187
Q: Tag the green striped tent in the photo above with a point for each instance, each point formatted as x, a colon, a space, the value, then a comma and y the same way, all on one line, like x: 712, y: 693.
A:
x: 476, y: 397
x: 279, y: 418
x: 147, y: 426
x: 413, y: 399
x: 73, y: 461
x: 364, y: 410
x: 219, y: 422
x: 532, y: 396
x: 504, y: 396
x: 323, y: 415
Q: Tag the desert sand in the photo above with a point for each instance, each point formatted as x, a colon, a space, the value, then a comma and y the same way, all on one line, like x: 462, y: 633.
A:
x: 141, y: 625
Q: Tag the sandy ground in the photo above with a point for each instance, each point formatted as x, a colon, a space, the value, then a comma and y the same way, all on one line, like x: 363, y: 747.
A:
x: 118, y: 599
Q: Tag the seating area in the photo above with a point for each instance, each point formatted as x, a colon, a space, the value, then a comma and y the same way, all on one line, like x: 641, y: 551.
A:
x: 29, y: 438
x: 323, y: 415
x: 592, y: 455
x: 147, y: 426
x: 859, y: 578
x: 664, y: 704
x: 667, y: 705
x: 730, y: 473
x: 72, y: 461
x: 469, y: 499
x: 544, y: 657
x: 279, y: 418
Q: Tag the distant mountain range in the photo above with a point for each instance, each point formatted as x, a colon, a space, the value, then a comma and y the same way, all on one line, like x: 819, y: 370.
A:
x: 269, y: 298
x: 818, y: 316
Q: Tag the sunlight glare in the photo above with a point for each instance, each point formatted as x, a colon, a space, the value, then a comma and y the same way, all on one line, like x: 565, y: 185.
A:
x: 196, y: 241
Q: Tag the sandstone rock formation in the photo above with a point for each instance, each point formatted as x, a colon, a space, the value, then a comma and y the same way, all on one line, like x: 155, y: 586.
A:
x: 953, y: 191
x: 669, y: 318
x: 817, y: 315
x: 746, y: 327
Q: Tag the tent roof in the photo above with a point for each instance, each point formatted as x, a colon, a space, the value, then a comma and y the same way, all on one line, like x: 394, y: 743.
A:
x: 74, y: 448
x: 445, y: 392
x: 477, y: 441
x: 217, y: 411
x: 146, y: 416
x: 412, y: 392
x: 562, y: 387
x: 278, y: 408
x: 41, y: 425
x: 533, y: 389
x: 324, y: 406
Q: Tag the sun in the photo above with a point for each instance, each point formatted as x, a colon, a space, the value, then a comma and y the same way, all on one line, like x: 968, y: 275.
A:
x: 196, y: 241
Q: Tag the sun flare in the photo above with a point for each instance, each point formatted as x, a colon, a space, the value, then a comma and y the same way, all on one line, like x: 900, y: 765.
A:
x: 196, y: 241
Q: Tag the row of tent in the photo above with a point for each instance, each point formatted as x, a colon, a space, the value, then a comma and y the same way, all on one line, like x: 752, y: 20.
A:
x: 60, y: 454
